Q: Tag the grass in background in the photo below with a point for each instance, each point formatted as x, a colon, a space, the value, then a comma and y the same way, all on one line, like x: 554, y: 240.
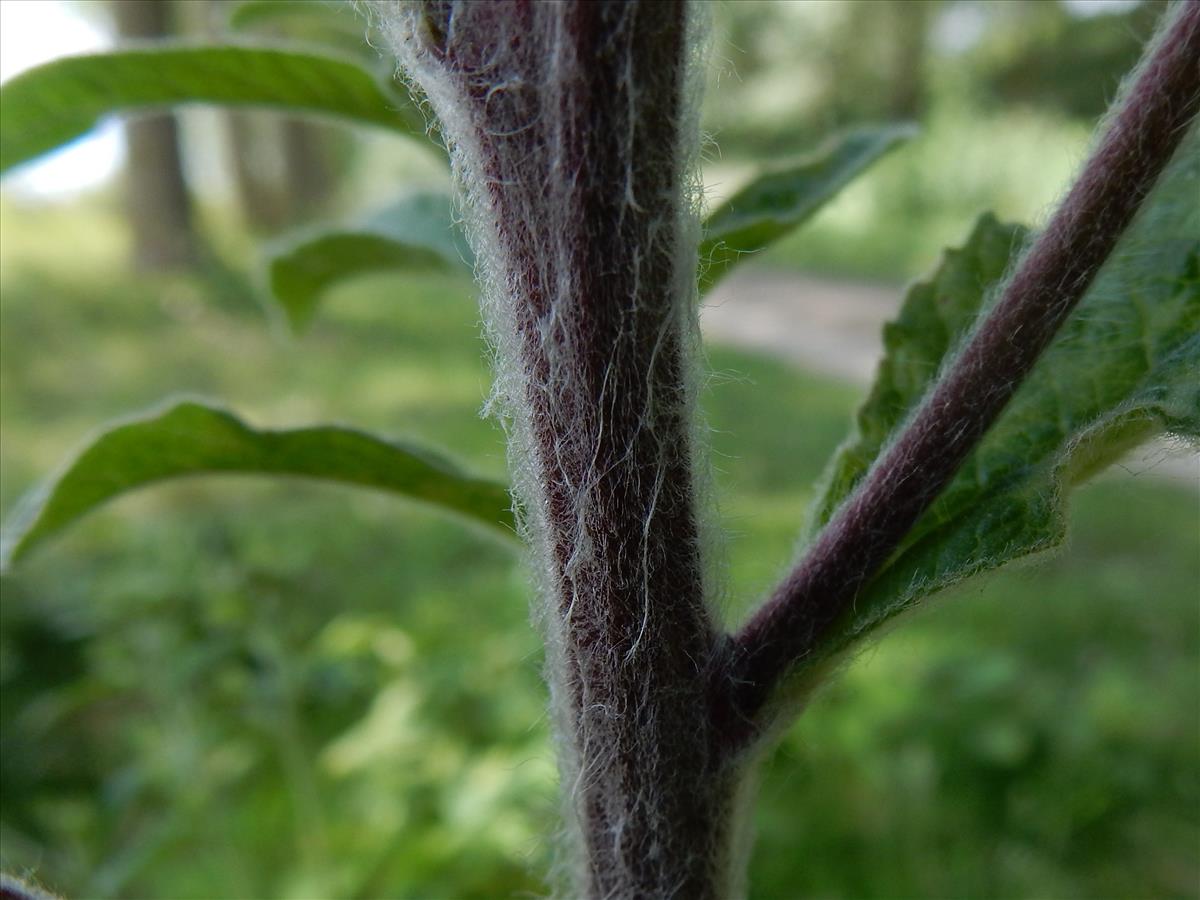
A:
x: 237, y: 687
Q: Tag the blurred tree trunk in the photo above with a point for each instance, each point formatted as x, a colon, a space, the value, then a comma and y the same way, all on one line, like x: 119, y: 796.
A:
x: 308, y: 150
x: 911, y: 21
x: 159, y: 208
x: 283, y: 168
x: 256, y: 170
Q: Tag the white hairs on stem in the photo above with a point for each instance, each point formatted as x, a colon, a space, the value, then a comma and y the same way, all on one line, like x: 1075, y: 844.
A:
x: 573, y: 133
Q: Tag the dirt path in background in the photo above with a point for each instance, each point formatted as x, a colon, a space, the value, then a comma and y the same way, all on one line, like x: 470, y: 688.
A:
x: 834, y: 327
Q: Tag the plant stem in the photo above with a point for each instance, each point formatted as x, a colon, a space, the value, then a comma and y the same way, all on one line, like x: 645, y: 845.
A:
x: 571, y: 131
x: 1155, y: 111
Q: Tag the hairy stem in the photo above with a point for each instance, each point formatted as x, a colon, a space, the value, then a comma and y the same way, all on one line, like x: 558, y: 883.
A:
x: 569, y: 126
x: 1053, y: 275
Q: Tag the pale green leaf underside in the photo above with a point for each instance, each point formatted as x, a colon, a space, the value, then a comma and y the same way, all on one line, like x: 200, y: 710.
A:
x: 777, y: 202
x: 53, y: 104
x: 1124, y: 369
x: 191, y: 438
x: 416, y: 233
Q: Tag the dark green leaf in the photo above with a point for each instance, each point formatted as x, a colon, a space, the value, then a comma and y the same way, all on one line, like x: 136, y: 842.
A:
x: 53, y: 104
x: 1123, y: 370
x: 777, y: 202
x: 418, y: 232
x: 191, y: 438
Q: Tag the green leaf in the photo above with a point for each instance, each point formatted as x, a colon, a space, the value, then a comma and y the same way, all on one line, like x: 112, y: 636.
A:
x: 53, y: 104
x: 418, y: 232
x: 192, y: 438
x: 1123, y: 370
x: 777, y: 202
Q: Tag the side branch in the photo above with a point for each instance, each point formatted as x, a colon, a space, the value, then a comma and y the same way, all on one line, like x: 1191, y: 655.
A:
x: 1151, y: 119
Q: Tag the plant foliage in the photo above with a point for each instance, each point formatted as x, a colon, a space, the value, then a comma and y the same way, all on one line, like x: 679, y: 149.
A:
x: 191, y: 438
x: 780, y: 200
x: 1121, y: 372
x: 56, y: 103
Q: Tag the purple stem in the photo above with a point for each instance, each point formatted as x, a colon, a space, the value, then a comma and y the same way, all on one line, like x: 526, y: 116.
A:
x: 955, y: 415
x: 576, y: 110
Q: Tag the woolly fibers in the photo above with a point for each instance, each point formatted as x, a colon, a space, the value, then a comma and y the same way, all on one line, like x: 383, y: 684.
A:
x: 572, y: 130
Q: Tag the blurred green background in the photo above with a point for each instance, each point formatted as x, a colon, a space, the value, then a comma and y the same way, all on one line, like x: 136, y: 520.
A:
x: 234, y: 687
